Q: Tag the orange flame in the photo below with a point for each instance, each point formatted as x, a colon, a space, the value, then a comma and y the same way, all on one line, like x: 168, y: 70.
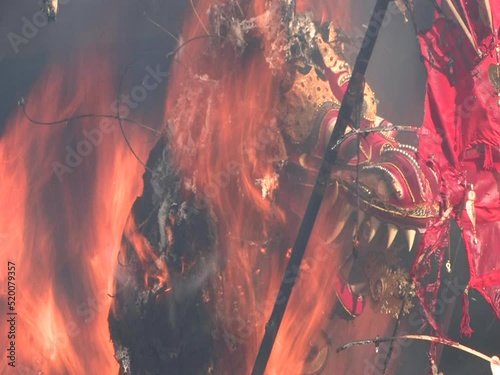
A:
x: 55, y: 5
x: 337, y: 11
x: 227, y: 144
x: 61, y: 221
x: 62, y: 225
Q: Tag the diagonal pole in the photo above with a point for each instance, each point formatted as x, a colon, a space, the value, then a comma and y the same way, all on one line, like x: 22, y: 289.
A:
x: 346, y: 111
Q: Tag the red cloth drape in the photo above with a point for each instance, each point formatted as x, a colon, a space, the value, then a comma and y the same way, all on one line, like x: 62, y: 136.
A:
x: 461, y: 134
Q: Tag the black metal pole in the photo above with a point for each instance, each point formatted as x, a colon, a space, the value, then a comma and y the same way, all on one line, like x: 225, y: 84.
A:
x: 354, y: 88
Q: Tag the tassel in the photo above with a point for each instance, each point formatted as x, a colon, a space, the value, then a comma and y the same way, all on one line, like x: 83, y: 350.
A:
x: 465, y: 328
x: 488, y: 158
x: 471, y: 210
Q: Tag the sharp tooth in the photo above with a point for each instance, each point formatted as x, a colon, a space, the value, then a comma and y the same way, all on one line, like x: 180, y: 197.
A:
x: 392, y: 231
x: 344, y: 214
x: 410, y: 237
x: 359, y: 221
x: 361, y: 218
x: 335, y: 193
x: 374, y: 225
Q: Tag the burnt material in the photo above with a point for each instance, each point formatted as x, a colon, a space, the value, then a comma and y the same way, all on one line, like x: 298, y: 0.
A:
x: 159, y: 330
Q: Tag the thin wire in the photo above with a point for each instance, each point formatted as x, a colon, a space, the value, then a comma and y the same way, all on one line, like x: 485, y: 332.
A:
x: 490, y: 16
x: 239, y: 7
x: 375, y: 129
x: 198, y: 16
x: 173, y: 53
x: 455, y: 253
x: 463, y: 26
x: 22, y: 103
x: 357, y: 125
x: 161, y: 27
x: 394, y: 333
x: 433, y: 339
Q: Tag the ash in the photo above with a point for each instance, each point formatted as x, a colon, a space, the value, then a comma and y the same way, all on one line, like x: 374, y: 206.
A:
x: 159, y: 330
x: 294, y: 39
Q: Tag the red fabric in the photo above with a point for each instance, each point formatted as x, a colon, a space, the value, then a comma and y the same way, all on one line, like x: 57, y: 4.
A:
x: 431, y: 247
x: 461, y: 123
x: 465, y: 327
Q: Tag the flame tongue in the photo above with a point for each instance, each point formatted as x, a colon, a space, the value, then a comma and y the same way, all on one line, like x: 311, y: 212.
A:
x: 64, y: 203
x: 55, y: 4
x: 228, y: 146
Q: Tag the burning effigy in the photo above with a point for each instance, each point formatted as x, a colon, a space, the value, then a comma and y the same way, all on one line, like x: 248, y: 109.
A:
x: 251, y: 108
x: 282, y: 224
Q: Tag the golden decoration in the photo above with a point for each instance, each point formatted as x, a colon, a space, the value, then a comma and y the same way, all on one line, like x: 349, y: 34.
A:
x: 318, y: 355
x: 309, y: 97
x: 390, y: 288
x: 494, y: 74
x: 471, y: 210
x: 331, y: 51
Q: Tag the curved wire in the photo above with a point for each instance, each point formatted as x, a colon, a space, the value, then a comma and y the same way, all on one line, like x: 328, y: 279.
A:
x: 433, y: 339
x: 198, y: 16
x: 161, y: 27
x: 118, y: 99
x: 22, y: 103
x: 375, y: 129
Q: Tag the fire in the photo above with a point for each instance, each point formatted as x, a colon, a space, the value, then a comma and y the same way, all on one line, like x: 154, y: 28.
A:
x: 55, y: 4
x: 337, y: 11
x: 223, y: 123
x: 67, y: 190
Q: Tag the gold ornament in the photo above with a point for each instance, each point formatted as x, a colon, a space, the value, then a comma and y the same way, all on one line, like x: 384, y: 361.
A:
x: 390, y: 288
x: 395, y: 292
x: 471, y: 210
x: 331, y: 51
x: 494, y: 74
x: 310, y: 95
x: 306, y: 103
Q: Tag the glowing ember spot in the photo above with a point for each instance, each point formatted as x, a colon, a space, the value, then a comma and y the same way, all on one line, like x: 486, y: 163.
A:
x: 50, y: 8
x: 55, y: 5
x: 269, y: 184
x: 154, y: 266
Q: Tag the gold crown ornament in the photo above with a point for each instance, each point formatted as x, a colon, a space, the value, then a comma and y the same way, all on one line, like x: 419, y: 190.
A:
x: 332, y: 52
x: 305, y: 104
x: 308, y: 95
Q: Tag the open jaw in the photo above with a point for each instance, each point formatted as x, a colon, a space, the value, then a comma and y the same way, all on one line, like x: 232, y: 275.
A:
x: 372, y: 242
x: 371, y: 216
x: 376, y: 235
x: 357, y: 204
